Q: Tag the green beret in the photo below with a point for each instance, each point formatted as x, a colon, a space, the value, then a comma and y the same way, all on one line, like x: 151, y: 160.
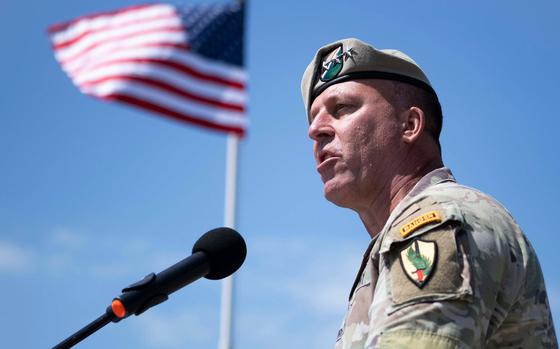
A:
x: 352, y: 59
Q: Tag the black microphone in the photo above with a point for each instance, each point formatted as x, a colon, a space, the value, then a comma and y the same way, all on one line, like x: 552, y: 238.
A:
x: 215, y: 255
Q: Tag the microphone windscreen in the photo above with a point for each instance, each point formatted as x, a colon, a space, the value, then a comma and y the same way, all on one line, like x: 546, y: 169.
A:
x: 225, y: 250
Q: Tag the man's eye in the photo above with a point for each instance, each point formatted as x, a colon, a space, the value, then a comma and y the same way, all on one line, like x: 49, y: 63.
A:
x: 341, y: 109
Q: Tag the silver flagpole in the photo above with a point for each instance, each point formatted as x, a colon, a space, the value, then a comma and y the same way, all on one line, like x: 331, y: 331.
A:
x: 226, y: 314
x: 229, y: 221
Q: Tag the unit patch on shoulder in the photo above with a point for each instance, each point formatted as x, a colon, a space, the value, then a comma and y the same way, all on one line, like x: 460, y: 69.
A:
x: 418, y: 261
x: 420, y: 221
x: 430, y: 266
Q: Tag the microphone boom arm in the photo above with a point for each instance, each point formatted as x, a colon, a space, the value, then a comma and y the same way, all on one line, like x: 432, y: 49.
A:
x: 142, y: 295
x: 215, y: 255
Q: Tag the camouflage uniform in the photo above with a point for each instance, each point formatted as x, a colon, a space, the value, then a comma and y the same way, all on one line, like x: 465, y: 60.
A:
x: 483, y: 289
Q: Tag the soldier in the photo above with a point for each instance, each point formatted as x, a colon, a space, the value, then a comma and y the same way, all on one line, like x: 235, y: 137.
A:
x: 447, y: 266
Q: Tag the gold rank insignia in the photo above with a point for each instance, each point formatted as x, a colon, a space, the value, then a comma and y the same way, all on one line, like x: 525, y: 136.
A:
x: 420, y: 221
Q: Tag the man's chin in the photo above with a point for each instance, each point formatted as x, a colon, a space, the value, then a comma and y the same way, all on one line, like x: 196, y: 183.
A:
x: 336, y: 194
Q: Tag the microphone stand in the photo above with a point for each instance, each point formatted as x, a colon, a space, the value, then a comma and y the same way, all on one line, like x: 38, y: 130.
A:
x: 89, y: 329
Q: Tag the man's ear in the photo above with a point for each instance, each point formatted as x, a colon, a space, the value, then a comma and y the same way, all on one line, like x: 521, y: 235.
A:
x: 414, y: 122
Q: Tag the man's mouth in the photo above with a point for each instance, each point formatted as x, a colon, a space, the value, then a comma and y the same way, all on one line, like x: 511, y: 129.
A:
x: 326, y: 159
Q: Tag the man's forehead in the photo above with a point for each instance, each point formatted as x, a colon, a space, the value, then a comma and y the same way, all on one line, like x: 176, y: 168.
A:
x: 353, y: 89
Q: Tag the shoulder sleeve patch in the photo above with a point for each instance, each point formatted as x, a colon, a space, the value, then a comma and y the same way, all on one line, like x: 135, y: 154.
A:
x: 429, y: 267
x: 420, y: 221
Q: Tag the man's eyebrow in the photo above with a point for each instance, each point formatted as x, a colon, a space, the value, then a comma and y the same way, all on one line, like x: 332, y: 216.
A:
x: 330, y: 98
x: 327, y: 100
x: 333, y: 97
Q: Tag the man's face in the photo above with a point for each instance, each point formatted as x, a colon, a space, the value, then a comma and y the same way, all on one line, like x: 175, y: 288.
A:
x: 357, y: 140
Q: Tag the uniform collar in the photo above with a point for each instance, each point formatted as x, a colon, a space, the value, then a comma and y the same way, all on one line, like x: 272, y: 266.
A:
x: 439, y: 175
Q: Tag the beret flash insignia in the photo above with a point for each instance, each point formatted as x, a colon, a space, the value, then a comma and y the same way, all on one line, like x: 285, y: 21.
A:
x: 333, y: 62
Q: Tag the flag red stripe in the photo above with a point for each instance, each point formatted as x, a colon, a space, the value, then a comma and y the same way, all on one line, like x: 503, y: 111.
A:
x: 173, y: 114
x: 184, y: 47
x: 64, y: 25
x: 110, y: 27
x: 173, y: 29
x: 169, y: 88
x: 176, y: 66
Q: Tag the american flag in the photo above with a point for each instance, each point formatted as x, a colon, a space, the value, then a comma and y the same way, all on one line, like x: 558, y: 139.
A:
x: 183, y: 63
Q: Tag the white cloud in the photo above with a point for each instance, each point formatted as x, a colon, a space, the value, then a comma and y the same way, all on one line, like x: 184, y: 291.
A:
x: 14, y: 258
x: 169, y: 331
x: 315, y: 274
x: 110, y: 270
x: 294, y: 290
x: 65, y: 252
x: 257, y: 328
x: 328, y: 279
x: 554, y: 299
x: 136, y: 246
x: 68, y: 239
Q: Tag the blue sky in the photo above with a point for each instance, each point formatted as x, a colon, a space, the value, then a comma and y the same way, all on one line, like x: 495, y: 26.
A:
x: 94, y: 195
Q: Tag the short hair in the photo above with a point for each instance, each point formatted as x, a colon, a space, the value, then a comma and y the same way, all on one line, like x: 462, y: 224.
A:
x: 407, y: 96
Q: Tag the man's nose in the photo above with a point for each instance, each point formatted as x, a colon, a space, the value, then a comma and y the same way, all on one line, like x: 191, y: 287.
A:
x: 321, y: 127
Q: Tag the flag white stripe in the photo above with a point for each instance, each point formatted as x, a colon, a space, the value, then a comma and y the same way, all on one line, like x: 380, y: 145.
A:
x: 169, y: 101
x: 185, y: 58
x: 203, y: 88
x: 164, y: 53
x: 104, y: 53
x: 153, y: 38
x: 182, y: 57
x: 97, y: 38
x: 110, y: 20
